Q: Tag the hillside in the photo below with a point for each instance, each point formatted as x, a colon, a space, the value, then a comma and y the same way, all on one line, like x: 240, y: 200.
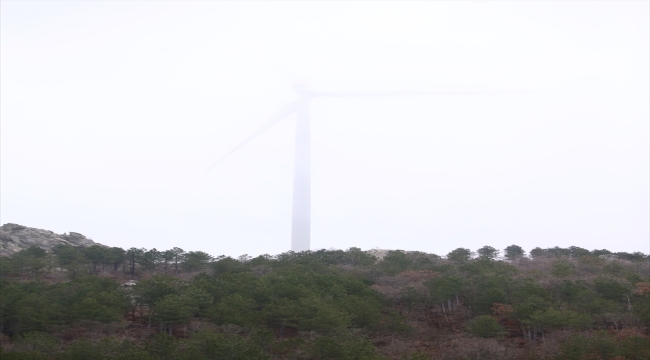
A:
x: 554, y: 303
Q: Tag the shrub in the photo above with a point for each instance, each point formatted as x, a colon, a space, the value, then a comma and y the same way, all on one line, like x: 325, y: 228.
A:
x: 486, y: 326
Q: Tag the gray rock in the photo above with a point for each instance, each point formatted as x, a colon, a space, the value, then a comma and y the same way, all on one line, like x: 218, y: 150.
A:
x: 379, y: 253
x: 14, y: 237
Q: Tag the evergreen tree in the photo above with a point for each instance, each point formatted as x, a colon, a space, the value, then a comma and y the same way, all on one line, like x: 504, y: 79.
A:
x: 460, y: 255
x: 514, y: 252
x: 488, y: 253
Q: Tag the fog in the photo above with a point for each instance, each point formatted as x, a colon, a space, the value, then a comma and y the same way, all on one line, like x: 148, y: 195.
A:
x: 113, y: 111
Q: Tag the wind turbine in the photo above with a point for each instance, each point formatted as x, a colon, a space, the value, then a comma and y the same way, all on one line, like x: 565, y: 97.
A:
x: 301, y: 217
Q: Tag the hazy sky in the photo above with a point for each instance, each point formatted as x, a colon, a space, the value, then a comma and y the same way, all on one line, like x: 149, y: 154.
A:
x: 112, y: 111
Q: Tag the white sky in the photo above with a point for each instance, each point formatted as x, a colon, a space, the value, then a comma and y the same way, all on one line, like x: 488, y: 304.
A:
x: 112, y: 111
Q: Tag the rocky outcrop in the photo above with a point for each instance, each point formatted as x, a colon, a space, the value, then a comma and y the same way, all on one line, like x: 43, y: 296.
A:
x: 14, y: 237
x: 379, y: 253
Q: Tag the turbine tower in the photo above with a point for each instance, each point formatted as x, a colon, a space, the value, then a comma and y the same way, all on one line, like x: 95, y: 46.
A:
x: 301, y: 212
x: 301, y: 217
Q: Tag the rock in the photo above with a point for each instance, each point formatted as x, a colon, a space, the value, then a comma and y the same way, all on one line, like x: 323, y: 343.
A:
x: 379, y: 253
x: 14, y: 237
x: 129, y: 284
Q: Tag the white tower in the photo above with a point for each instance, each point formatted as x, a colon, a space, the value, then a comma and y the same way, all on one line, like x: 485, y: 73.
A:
x: 301, y: 219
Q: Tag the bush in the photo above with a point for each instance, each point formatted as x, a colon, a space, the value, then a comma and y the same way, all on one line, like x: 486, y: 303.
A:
x: 486, y: 326
x: 601, y: 345
x: 35, y: 341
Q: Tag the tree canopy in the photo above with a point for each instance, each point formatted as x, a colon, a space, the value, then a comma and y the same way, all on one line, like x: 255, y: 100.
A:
x: 325, y: 304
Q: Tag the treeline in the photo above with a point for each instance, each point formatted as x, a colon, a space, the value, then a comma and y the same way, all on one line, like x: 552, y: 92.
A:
x: 577, y: 252
x: 75, y: 261
x: 514, y: 252
x: 34, y: 261
x: 329, y: 304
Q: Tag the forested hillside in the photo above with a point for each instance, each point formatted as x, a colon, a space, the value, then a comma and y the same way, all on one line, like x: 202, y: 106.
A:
x: 110, y: 303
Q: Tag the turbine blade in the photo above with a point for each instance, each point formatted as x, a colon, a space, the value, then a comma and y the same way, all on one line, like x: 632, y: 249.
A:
x: 406, y: 93
x: 281, y: 114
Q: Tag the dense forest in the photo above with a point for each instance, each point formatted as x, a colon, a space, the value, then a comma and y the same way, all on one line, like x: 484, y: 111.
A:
x: 110, y: 303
